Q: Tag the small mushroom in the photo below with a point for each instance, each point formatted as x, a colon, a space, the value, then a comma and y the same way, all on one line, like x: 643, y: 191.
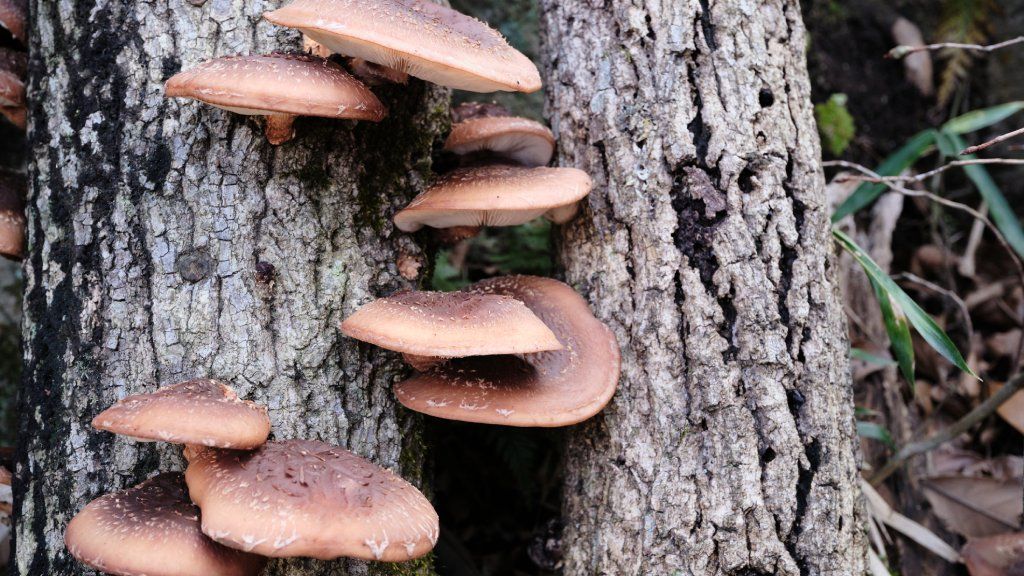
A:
x: 12, y: 90
x: 473, y: 110
x: 202, y: 412
x: 496, y: 195
x: 375, y: 74
x: 279, y: 87
x: 521, y: 140
x: 546, y: 389
x: 450, y: 325
x: 12, y: 216
x: 14, y: 62
x: 310, y: 46
x: 13, y: 17
x: 309, y: 498
x: 152, y: 530
x: 418, y: 37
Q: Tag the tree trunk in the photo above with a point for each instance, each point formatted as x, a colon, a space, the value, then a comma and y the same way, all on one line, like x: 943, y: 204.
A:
x: 168, y: 240
x: 730, y: 447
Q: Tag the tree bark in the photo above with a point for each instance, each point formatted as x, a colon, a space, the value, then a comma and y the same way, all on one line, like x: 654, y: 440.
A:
x: 730, y: 447
x: 169, y: 240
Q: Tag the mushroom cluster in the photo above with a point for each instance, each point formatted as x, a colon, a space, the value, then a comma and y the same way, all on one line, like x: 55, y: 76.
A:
x: 242, y: 499
x: 385, y: 41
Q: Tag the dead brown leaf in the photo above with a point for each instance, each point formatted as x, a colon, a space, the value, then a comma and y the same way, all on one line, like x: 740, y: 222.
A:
x: 975, y: 506
x: 1001, y: 555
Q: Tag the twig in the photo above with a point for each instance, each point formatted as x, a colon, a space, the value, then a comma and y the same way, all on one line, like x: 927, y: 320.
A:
x: 958, y: 206
x: 924, y: 175
x: 968, y: 261
x: 980, y: 412
x: 901, y: 51
x: 992, y: 142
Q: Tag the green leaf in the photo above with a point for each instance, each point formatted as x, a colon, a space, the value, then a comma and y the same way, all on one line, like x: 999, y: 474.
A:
x: 978, y: 119
x: 865, y: 356
x: 898, y: 329
x: 875, y: 432
x: 899, y: 161
x: 1002, y: 214
x: 918, y: 318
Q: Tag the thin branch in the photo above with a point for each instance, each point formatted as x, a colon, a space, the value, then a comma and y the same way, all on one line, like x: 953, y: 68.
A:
x: 902, y: 51
x: 980, y: 412
x: 992, y: 142
x: 924, y: 175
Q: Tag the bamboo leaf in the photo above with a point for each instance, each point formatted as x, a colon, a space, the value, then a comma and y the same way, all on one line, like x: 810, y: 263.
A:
x: 898, y: 329
x: 864, y: 355
x: 978, y: 119
x: 1002, y: 214
x: 899, y: 161
x: 875, y: 432
x: 918, y: 318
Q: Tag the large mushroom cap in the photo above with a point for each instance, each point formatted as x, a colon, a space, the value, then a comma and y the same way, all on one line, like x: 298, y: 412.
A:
x: 308, y: 498
x: 12, y: 216
x: 546, y: 389
x: 298, y: 84
x: 13, y: 17
x: 450, y: 324
x: 417, y: 37
x: 497, y: 195
x: 152, y: 530
x: 203, y: 412
x: 523, y: 140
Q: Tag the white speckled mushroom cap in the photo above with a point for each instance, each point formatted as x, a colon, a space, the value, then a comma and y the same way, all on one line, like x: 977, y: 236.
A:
x: 522, y: 140
x: 418, y: 37
x: 450, y: 324
x: 547, y: 389
x: 152, y: 530
x: 497, y: 195
x: 14, y: 17
x: 203, y: 412
x: 309, y: 498
x: 12, y: 215
x: 299, y: 84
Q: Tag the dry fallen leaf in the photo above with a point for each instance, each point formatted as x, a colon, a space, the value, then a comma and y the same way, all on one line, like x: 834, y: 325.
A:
x: 1001, y: 555
x: 975, y: 506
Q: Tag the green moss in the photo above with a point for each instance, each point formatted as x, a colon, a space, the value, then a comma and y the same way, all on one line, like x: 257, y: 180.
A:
x: 423, y: 566
x: 835, y: 124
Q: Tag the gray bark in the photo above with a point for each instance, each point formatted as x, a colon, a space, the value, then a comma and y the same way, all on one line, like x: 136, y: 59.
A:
x: 151, y: 225
x: 730, y: 447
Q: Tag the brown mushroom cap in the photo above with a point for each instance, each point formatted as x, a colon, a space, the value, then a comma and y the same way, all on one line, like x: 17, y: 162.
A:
x: 299, y: 84
x: 450, y: 324
x: 152, y: 530
x: 13, y: 17
x: 14, y: 62
x: 12, y: 216
x: 547, y: 389
x: 523, y: 140
x: 309, y: 498
x: 12, y: 90
x: 203, y: 412
x: 15, y: 115
x: 496, y: 195
x: 418, y: 37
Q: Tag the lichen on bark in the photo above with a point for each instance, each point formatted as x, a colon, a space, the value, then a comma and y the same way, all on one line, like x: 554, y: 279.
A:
x: 169, y: 240
x: 730, y: 446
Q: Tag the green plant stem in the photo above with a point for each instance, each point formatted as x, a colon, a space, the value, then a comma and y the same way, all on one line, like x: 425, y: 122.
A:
x: 962, y: 425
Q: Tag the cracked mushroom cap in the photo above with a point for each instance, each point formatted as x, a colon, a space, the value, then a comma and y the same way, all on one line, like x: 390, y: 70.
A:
x: 547, y: 389
x: 309, y: 498
x: 450, y: 325
x: 203, y: 412
x: 497, y: 195
x: 13, y: 17
x: 12, y: 216
x: 418, y: 37
x: 152, y: 530
x: 522, y: 140
x: 297, y: 84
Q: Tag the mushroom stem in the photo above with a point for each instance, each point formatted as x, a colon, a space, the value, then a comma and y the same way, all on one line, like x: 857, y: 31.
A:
x: 280, y: 128
x: 423, y: 363
x: 455, y: 234
x: 315, y: 48
x: 376, y: 74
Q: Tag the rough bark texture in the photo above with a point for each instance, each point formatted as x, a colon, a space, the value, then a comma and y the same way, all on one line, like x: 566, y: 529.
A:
x: 730, y: 446
x: 169, y: 241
